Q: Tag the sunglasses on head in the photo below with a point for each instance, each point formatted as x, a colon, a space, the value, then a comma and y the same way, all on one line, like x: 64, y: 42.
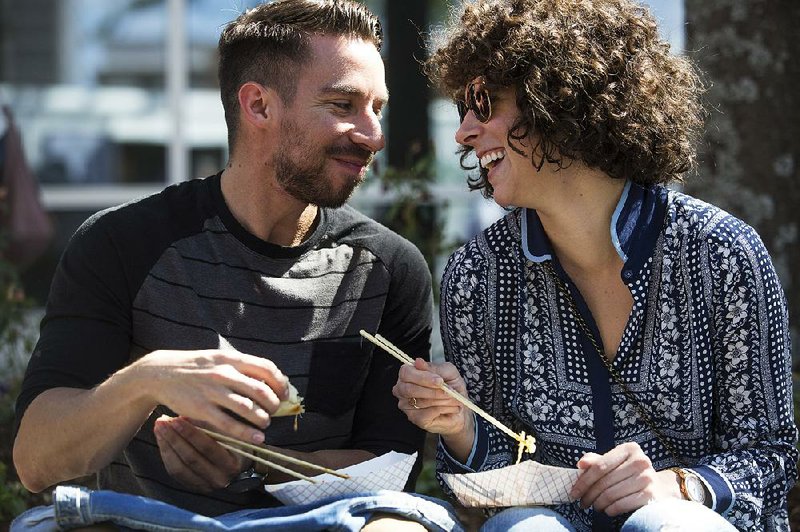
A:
x: 476, y: 99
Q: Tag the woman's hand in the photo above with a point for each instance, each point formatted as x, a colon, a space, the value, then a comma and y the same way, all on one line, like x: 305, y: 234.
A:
x: 425, y: 404
x: 622, y: 480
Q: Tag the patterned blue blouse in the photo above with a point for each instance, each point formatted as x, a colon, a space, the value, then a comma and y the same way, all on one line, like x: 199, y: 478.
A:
x: 705, y: 352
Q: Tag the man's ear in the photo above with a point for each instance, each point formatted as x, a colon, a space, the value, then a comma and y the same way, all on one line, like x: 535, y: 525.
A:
x: 259, y: 104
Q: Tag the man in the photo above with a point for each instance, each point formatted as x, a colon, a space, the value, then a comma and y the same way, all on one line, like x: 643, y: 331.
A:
x: 262, y: 257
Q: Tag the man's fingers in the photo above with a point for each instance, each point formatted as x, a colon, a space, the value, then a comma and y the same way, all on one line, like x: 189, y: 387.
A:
x: 222, y: 459
x: 226, y: 423
x: 263, y: 370
x: 248, y: 409
x: 201, y: 454
x: 191, y: 460
x: 244, y: 385
x: 168, y: 446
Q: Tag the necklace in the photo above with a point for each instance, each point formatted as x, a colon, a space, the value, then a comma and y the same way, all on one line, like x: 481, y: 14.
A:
x: 643, y: 414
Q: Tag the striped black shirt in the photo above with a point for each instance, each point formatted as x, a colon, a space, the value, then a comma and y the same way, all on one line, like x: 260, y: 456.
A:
x: 177, y: 271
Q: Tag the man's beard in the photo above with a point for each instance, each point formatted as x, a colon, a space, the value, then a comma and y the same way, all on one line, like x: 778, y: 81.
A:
x: 300, y: 168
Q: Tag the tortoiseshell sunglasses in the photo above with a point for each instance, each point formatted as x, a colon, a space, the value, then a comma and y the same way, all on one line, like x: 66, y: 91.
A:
x: 477, y: 100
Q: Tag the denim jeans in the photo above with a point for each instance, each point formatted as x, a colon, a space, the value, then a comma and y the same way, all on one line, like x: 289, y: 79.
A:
x: 663, y: 515
x: 77, y: 506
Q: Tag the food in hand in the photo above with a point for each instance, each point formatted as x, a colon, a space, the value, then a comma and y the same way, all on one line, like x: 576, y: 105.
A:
x: 292, y: 406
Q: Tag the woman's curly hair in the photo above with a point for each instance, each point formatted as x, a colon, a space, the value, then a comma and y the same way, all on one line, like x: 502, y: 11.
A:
x: 594, y: 82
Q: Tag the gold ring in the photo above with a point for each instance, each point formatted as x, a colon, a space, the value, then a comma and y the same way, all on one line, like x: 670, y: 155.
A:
x: 413, y: 402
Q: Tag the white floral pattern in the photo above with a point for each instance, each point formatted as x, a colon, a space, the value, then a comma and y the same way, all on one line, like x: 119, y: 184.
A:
x: 706, y: 352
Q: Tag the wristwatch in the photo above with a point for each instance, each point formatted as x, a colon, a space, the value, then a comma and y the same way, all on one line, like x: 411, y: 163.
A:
x: 247, y: 480
x: 692, y: 488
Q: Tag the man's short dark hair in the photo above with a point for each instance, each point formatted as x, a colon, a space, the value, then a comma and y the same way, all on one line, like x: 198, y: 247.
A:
x: 594, y: 82
x: 270, y: 44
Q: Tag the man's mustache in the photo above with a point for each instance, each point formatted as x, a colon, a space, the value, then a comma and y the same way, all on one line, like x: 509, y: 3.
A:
x: 352, y: 151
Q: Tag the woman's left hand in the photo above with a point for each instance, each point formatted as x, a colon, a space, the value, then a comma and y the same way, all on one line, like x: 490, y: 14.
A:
x: 622, y: 480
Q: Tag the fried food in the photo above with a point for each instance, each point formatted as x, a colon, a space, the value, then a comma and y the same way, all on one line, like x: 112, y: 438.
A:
x: 292, y: 406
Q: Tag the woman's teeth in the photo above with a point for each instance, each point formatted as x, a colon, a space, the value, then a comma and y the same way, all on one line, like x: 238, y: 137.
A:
x: 491, y: 157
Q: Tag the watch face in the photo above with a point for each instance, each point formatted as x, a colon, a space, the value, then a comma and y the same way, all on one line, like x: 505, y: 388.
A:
x: 247, y: 481
x: 695, y: 489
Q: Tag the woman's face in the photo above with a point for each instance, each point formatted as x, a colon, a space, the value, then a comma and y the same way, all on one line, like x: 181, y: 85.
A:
x: 510, y: 173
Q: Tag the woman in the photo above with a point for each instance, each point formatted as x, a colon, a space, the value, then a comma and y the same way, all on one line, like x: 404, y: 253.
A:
x: 631, y: 328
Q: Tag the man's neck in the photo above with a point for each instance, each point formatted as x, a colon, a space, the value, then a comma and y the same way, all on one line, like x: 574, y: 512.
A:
x: 264, y: 209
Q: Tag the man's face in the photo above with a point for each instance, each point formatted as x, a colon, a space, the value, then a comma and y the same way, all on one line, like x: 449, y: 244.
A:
x: 331, y: 131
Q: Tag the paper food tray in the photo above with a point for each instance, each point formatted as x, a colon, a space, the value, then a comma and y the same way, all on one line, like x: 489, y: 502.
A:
x: 387, y: 472
x: 526, y: 484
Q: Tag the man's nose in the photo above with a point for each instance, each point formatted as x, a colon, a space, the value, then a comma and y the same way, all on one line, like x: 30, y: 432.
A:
x: 368, y: 133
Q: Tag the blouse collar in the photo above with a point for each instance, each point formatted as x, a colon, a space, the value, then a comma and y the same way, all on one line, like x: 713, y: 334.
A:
x: 634, y: 227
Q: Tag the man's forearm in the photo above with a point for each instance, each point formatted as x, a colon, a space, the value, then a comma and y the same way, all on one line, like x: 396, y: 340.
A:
x: 67, y: 433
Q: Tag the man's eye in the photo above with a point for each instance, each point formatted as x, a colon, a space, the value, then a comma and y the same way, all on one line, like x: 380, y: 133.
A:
x: 344, y: 106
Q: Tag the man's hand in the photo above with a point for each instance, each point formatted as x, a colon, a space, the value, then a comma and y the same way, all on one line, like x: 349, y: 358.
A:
x: 212, y: 387
x: 194, y: 458
x: 208, y: 385
x: 622, y: 480
x: 198, y: 462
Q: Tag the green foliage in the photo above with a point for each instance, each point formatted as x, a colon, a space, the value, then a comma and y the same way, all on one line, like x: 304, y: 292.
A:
x: 13, y: 496
x: 427, y: 483
x: 16, y: 343
x: 414, y: 213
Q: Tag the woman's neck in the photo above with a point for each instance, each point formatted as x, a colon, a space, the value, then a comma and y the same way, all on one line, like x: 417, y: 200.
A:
x: 577, y: 220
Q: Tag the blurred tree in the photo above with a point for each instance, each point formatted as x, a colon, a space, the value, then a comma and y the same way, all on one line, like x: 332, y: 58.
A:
x: 751, y: 155
x: 412, y: 211
x: 408, y: 122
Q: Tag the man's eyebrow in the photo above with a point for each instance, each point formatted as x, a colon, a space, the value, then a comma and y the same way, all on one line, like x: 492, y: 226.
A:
x: 350, y: 90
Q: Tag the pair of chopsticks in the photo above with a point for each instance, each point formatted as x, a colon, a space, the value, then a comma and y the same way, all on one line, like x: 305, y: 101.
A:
x: 238, y: 447
x: 525, y: 442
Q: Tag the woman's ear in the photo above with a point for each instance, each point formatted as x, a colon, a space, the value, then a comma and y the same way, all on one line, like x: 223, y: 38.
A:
x: 258, y: 104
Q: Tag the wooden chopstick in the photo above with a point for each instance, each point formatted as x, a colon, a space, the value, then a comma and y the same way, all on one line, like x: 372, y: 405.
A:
x: 272, y: 454
x: 272, y: 465
x: 393, y: 350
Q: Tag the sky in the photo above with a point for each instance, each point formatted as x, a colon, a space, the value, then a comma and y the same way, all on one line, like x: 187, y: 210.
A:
x: 671, y: 21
